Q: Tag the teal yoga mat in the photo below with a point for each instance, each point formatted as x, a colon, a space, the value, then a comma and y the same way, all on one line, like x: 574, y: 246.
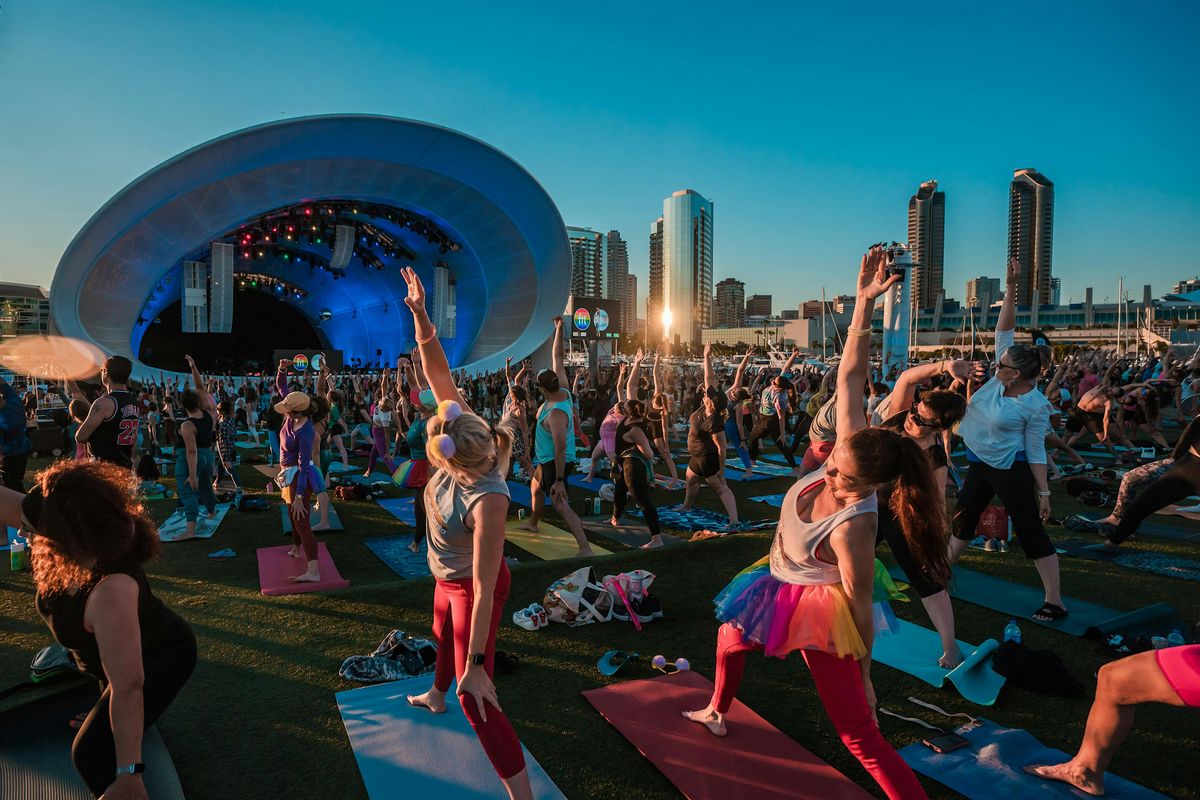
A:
x: 393, y: 551
x: 915, y: 650
x: 404, y: 751
x: 770, y: 499
x: 991, y: 767
x: 335, y: 522
x: 402, y: 508
x: 1020, y: 601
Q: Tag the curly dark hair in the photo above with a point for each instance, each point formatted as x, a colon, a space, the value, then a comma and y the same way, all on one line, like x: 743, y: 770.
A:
x: 91, y: 523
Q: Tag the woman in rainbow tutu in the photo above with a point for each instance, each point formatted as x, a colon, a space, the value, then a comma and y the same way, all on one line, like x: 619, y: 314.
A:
x: 813, y: 592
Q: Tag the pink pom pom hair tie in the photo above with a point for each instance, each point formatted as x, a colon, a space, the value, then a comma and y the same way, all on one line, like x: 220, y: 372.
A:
x: 449, y: 410
x: 444, y: 445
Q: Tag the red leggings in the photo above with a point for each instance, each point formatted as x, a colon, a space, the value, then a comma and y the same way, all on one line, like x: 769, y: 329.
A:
x: 839, y: 683
x: 302, y: 535
x: 452, y: 603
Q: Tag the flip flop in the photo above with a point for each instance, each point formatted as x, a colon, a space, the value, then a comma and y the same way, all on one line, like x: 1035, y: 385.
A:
x: 614, y: 661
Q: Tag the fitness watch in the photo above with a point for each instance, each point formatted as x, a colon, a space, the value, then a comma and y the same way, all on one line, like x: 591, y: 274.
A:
x: 131, y: 769
x: 478, y: 659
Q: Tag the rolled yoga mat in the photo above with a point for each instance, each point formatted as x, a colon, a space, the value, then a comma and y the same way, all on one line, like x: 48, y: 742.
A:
x: 402, y: 508
x: 174, y: 527
x: 1021, y: 601
x: 404, y: 751
x: 915, y: 649
x: 755, y: 761
x: 393, y: 551
x: 549, y: 543
x: 991, y: 767
x: 314, y: 516
x: 35, y: 751
x: 275, y: 566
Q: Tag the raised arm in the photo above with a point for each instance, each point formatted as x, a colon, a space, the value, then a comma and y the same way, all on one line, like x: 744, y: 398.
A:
x: 556, y: 354
x: 906, y: 385
x: 787, y: 365
x: 654, y: 373
x: 710, y: 378
x: 741, y: 370
x: 206, y: 401
x: 631, y: 386
x: 437, y: 368
x: 1007, y: 321
x: 852, y: 372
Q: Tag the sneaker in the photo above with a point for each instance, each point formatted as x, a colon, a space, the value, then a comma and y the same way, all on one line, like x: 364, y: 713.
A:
x: 990, y: 546
x: 647, y: 608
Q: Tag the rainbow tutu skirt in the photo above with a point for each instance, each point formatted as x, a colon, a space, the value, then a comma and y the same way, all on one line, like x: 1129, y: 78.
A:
x: 783, y: 617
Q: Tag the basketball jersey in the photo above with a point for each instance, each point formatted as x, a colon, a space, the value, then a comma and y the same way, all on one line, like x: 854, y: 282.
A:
x: 115, y: 438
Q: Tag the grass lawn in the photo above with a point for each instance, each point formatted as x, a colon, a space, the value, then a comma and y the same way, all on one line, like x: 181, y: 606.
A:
x: 258, y: 718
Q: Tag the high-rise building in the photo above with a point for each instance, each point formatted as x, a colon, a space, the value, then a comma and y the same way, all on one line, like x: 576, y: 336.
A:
x: 630, y: 314
x: 687, y: 264
x: 618, y: 277
x: 927, y: 238
x: 1186, y: 286
x: 1056, y: 291
x: 1031, y: 234
x: 983, y: 287
x: 589, y: 262
x: 758, y: 305
x: 729, y: 305
x: 654, y: 296
x: 24, y: 310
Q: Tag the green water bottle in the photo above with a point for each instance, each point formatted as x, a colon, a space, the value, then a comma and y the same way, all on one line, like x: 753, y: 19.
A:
x: 18, y: 559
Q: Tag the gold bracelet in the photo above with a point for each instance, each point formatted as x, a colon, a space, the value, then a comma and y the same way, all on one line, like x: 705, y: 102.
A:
x: 428, y: 338
x: 858, y: 331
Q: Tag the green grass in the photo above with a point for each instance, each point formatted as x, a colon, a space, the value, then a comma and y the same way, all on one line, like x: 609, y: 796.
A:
x: 259, y: 718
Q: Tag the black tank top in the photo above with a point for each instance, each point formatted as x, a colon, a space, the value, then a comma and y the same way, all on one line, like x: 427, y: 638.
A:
x: 161, y: 627
x: 116, y: 437
x: 204, y: 428
x: 624, y: 446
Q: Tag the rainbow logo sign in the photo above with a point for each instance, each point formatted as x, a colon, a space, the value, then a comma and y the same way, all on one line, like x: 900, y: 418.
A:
x: 300, y: 361
x: 583, y: 319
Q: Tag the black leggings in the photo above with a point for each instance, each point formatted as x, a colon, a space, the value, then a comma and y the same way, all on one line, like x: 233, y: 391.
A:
x: 631, y: 477
x: 1018, y: 494
x: 889, y: 530
x: 94, y: 751
x: 420, y: 515
x: 769, y: 426
x: 1180, y: 481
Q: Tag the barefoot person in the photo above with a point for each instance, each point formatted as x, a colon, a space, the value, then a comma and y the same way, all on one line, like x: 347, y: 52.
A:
x: 467, y: 500
x: 633, y: 467
x: 813, y: 593
x: 554, y: 445
x: 706, y: 445
x: 298, y: 479
x: 194, y: 460
x: 111, y: 428
x: 1170, y: 676
x: 89, y: 541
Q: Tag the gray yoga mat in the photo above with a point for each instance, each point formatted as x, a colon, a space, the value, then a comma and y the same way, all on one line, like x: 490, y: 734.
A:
x: 404, y: 751
x: 35, y: 751
x: 628, y: 535
x: 1187, y: 532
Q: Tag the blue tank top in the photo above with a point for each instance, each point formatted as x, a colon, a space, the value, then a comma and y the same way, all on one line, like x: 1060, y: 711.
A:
x: 416, y: 439
x: 543, y: 440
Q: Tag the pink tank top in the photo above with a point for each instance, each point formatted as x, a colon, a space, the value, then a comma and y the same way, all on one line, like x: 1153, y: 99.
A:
x: 794, y: 550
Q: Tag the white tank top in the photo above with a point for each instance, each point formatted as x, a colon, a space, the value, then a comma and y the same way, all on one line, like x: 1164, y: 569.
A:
x: 794, y: 550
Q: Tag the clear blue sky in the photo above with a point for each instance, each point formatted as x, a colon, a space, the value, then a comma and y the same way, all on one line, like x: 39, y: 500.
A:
x: 809, y: 125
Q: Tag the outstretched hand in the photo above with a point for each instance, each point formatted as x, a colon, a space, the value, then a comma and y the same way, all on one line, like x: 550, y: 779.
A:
x: 1014, y: 270
x: 558, y: 323
x: 415, y: 299
x: 873, y: 279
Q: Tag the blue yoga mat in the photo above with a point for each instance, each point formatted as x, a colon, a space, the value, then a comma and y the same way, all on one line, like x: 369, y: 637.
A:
x: 699, y: 519
x: 404, y: 751
x: 1020, y: 600
x: 393, y: 551
x: 402, y: 508
x: 773, y: 470
x: 915, y: 649
x: 770, y: 499
x: 589, y: 486
x: 734, y: 474
x: 519, y: 493
x: 991, y: 767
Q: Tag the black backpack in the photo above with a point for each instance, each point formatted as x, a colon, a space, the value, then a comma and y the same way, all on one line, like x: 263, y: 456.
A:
x: 1036, y: 670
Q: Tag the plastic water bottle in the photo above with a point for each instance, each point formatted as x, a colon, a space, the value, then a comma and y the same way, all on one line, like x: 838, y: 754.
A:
x: 1175, y: 639
x: 17, y: 557
x: 596, y: 506
x: 1011, y: 632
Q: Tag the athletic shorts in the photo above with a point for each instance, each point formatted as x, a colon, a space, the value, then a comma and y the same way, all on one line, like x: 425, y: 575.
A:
x: 1078, y: 420
x: 816, y: 454
x: 1181, y: 667
x: 705, y: 466
x: 547, y: 473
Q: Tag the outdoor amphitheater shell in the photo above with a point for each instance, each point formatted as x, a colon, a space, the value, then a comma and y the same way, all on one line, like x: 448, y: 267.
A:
x: 431, y: 198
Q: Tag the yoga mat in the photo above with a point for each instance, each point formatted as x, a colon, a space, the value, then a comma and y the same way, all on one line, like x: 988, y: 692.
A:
x: 991, y: 767
x: 269, y: 470
x: 628, y: 535
x: 915, y: 649
x: 402, y: 508
x: 404, y: 751
x: 667, y: 485
x: 519, y: 493
x: 335, y: 522
x: 378, y: 478
x: 549, y: 543
x: 756, y: 761
x: 773, y: 470
x: 393, y: 551
x: 1019, y: 600
x: 1078, y: 549
x: 770, y: 499
x: 699, y: 519
x: 734, y: 474
x: 173, y: 527
x: 35, y: 751
x: 588, y: 486
x: 275, y: 566
x: 247, y: 445
x: 1158, y: 530
x: 1160, y: 564
x: 338, y: 466
x: 1187, y: 512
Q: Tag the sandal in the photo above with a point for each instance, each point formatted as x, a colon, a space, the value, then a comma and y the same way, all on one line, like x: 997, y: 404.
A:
x: 1049, y: 613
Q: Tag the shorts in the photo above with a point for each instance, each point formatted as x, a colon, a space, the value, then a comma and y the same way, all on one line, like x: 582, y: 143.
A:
x: 1181, y: 667
x: 816, y: 454
x: 547, y: 473
x: 705, y: 466
x: 1079, y: 419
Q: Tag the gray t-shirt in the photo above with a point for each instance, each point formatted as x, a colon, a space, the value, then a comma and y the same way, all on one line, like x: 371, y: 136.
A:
x: 451, y: 546
x: 824, y: 424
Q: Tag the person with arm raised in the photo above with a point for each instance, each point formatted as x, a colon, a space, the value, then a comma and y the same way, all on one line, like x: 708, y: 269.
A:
x: 706, y: 444
x: 659, y: 416
x: 735, y: 423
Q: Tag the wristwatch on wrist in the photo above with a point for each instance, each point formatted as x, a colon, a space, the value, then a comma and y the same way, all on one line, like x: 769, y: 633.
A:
x: 478, y: 659
x: 131, y: 769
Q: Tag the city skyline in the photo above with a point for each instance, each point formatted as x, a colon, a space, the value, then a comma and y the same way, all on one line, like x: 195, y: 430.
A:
x: 804, y: 185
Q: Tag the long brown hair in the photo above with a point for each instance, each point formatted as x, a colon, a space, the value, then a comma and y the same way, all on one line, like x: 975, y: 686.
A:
x: 89, y: 513
x: 882, y: 456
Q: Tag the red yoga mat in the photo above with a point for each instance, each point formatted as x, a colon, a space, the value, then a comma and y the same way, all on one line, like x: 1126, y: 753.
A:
x: 756, y: 761
x: 275, y: 566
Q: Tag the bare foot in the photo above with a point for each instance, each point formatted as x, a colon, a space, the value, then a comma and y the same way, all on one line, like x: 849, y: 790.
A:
x: 614, y: 522
x: 748, y: 474
x: 308, y: 577
x: 212, y: 514
x: 950, y: 660
x: 654, y: 543
x: 584, y: 551
x: 434, y: 700
x: 321, y: 526
x: 709, y: 718
x: 528, y: 526
x: 1079, y: 777
x: 295, y: 552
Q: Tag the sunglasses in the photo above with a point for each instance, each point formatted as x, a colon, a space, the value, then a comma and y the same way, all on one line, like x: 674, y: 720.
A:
x: 920, y: 421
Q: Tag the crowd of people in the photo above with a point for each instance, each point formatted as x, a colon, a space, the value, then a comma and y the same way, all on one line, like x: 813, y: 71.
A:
x: 871, y: 453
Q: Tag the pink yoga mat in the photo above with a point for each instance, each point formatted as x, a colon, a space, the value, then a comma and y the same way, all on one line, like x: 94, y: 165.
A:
x: 756, y: 761
x: 275, y: 566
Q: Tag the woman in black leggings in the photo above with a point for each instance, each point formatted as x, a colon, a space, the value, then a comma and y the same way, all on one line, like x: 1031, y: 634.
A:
x: 633, y: 470
x: 90, y: 539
